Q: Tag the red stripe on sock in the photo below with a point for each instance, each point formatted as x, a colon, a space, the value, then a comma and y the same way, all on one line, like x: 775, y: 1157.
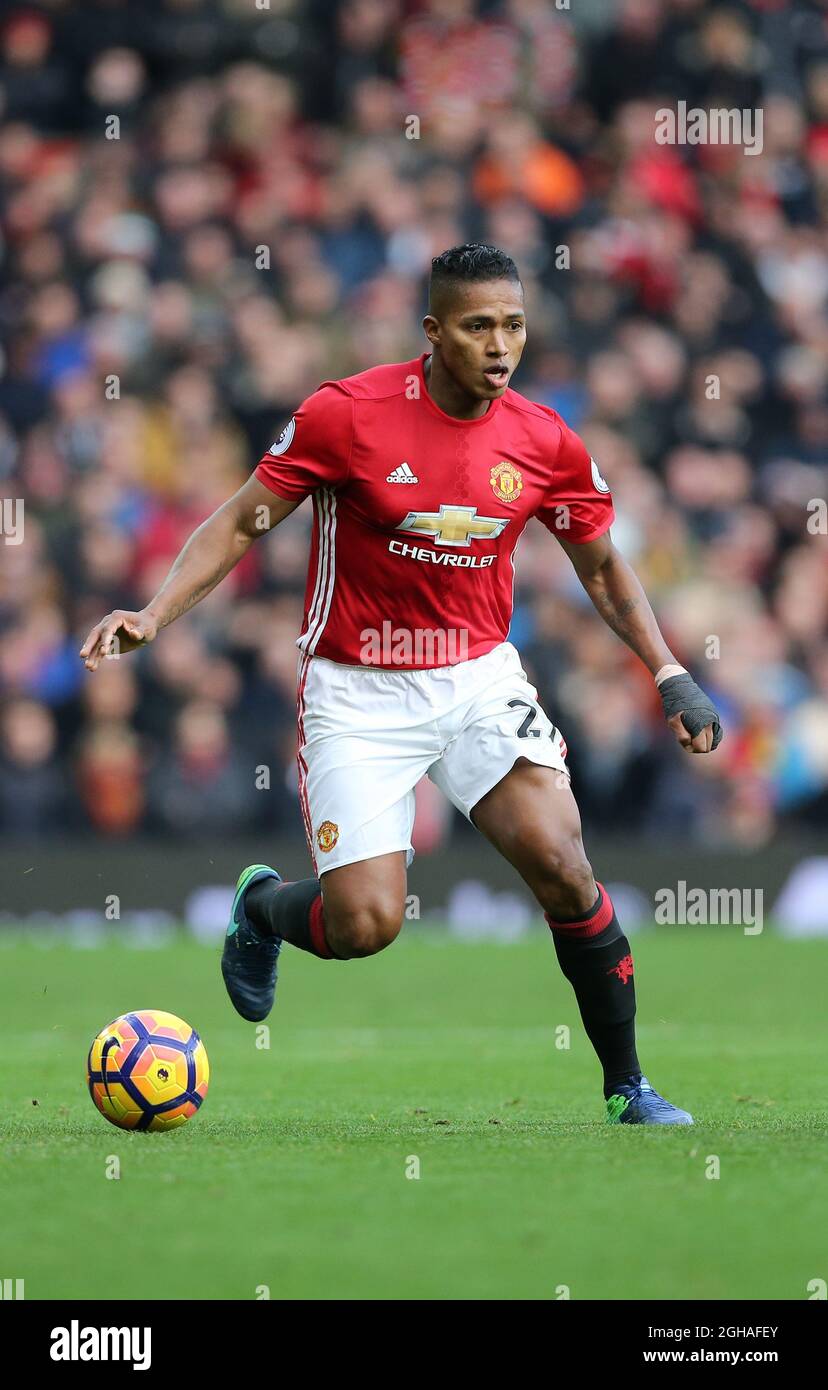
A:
x: 588, y: 926
x: 316, y: 923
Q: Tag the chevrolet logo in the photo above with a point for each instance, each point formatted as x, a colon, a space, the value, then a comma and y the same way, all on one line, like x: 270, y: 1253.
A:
x: 454, y: 525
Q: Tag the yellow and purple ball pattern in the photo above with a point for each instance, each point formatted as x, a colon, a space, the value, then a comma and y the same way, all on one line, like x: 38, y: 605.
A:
x: 148, y: 1070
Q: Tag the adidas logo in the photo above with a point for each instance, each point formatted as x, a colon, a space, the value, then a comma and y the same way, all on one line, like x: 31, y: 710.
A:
x: 402, y: 474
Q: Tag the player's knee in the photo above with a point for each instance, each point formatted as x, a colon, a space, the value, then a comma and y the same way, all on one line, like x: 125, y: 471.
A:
x: 569, y: 884
x: 364, y: 930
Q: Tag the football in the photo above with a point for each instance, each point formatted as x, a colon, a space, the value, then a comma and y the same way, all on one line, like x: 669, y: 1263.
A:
x: 148, y: 1070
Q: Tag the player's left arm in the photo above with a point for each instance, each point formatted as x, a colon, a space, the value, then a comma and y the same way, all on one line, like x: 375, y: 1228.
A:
x: 617, y: 593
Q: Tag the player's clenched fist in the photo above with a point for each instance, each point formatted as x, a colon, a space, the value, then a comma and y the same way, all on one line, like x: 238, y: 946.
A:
x: 118, y: 632
x: 690, y: 714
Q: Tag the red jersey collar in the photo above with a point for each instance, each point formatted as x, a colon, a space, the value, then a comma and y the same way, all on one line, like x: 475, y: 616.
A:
x: 494, y: 405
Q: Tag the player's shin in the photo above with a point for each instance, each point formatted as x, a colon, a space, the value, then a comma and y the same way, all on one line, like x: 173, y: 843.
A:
x: 594, y: 955
x: 292, y: 911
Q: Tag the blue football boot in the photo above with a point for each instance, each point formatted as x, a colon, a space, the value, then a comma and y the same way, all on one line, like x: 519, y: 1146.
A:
x: 641, y: 1105
x: 248, y: 962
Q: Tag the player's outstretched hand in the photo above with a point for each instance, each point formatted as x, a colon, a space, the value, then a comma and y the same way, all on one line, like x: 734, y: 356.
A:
x: 118, y: 632
x: 690, y: 714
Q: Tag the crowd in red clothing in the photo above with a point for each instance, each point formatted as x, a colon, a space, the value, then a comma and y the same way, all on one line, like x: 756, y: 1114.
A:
x: 266, y: 219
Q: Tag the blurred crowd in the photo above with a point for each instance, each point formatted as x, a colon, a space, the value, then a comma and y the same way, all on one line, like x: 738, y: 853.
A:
x: 260, y: 217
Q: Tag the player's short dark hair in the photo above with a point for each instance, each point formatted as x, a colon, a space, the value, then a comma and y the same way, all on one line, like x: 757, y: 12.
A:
x: 467, y: 264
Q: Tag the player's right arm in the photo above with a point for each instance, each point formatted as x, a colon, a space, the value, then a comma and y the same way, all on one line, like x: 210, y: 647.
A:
x: 313, y: 450
x: 209, y: 554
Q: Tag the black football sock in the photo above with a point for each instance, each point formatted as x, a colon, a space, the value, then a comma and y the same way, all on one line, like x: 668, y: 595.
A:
x: 594, y: 955
x: 291, y: 910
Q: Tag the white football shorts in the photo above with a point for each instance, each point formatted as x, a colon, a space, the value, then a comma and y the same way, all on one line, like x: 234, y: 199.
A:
x: 367, y: 736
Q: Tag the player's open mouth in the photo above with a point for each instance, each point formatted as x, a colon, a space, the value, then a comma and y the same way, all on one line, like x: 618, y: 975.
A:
x: 497, y: 375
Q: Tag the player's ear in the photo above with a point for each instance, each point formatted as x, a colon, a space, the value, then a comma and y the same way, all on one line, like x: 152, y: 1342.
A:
x: 431, y: 328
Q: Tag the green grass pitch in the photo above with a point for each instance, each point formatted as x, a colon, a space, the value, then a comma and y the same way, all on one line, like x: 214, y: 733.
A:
x: 293, y: 1176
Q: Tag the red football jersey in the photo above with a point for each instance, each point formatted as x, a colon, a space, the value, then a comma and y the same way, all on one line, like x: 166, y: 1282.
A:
x: 417, y: 514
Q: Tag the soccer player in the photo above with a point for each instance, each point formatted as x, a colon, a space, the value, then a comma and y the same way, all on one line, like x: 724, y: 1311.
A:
x: 423, y: 475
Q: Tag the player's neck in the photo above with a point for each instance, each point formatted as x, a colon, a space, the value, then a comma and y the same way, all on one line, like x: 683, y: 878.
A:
x: 445, y: 392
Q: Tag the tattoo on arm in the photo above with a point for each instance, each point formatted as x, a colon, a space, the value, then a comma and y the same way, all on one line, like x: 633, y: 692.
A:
x: 621, y: 601
x: 616, y: 615
x: 183, y: 605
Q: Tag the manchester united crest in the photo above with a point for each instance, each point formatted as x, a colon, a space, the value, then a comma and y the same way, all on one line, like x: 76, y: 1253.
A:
x: 506, y: 481
x: 327, y: 835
